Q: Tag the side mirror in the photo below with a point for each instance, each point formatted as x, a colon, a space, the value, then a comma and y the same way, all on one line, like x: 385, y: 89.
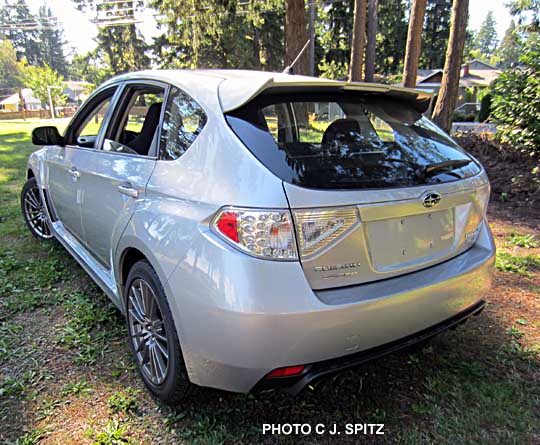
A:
x: 47, y: 136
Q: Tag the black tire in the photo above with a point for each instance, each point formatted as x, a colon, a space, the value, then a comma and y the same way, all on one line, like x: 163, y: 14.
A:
x: 34, y: 212
x: 175, y: 382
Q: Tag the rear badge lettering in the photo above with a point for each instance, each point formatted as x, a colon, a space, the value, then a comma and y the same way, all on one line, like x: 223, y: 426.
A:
x: 335, y: 267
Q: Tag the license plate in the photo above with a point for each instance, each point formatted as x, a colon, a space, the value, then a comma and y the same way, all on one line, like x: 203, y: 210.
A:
x: 405, y: 241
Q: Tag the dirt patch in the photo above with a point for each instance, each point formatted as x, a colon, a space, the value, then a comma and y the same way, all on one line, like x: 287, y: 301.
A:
x: 510, y: 172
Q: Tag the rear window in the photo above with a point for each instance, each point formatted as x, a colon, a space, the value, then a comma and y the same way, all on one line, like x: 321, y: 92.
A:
x: 348, y: 141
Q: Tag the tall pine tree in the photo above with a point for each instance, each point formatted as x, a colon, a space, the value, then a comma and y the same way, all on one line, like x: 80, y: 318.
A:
x: 19, y: 26
x: 221, y: 34
x: 510, y: 48
x: 436, y: 31
x: 391, y: 36
x: 120, y: 45
x: 486, y: 40
x: 51, y: 42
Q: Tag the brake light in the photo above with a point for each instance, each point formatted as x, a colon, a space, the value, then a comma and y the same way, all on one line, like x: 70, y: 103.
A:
x: 228, y: 226
x: 288, y: 371
x: 319, y: 228
x: 263, y: 233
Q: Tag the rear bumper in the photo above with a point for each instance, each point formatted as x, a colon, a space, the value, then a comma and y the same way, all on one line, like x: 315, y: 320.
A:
x: 315, y: 371
x: 274, y: 319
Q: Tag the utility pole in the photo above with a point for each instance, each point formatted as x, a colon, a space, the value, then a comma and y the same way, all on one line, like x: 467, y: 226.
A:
x: 51, y: 105
x: 311, y: 32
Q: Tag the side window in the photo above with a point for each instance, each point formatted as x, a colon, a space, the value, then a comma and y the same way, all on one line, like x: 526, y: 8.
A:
x: 93, y: 123
x: 85, y: 132
x: 184, y: 119
x: 135, y: 127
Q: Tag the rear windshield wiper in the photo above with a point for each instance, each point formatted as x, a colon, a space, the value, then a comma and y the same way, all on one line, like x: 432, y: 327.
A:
x: 448, y: 166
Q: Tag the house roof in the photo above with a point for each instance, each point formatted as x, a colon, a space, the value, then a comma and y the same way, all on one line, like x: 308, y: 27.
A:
x: 480, y: 74
x: 237, y: 87
x: 14, y: 98
x: 426, y: 74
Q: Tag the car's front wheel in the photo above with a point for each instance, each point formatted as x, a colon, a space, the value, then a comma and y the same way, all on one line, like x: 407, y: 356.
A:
x: 33, y: 210
x: 152, y: 334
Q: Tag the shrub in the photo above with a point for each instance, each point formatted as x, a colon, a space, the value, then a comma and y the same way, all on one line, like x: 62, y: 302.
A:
x: 485, y: 108
x: 461, y: 117
x: 515, y: 105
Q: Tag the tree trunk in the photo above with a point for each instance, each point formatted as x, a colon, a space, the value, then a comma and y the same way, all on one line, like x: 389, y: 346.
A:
x: 256, y: 49
x: 296, y: 35
x: 446, y: 102
x: 311, y: 27
x: 414, y: 43
x: 371, y: 39
x: 358, y: 41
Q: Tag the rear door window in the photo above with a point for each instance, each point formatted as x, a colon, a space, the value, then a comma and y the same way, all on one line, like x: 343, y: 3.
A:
x: 184, y: 119
x: 348, y: 141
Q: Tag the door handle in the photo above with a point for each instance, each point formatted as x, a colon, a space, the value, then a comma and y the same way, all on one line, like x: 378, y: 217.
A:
x: 74, y: 173
x: 126, y: 189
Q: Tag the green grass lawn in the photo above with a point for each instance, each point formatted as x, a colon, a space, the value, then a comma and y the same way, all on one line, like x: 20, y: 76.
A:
x: 66, y: 375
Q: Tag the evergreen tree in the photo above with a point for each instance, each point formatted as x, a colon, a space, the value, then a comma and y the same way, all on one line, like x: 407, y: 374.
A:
x: 391, y: 35
x: 221, y: 34
x: 436, y: 31
x: 334, y: 34
x: 120, y: 46
x: 470, y: 45
x: 510, y: 48
x: 528, y: 14
x: 89, y: 68
x: 20, y: 27
x: 334, y: 37
x: 486, y: 40
x: 51, y: 42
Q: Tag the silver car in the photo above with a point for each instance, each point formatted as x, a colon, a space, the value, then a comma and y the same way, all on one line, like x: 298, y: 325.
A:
x: 263, y: 229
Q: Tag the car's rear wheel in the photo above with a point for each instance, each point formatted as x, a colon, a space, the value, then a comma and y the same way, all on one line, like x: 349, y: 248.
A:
x: 152, y: 334
x: 33, y: 210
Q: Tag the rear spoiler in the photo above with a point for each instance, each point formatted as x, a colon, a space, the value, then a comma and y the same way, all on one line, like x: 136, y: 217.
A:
x: 234, y: 93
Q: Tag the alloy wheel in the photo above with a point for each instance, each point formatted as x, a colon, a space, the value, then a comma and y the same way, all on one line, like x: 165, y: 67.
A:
x: 36, y: 216
x: 147, y: 332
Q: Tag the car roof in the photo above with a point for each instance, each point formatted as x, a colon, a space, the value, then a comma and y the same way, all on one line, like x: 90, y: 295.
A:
x: 235, y: 88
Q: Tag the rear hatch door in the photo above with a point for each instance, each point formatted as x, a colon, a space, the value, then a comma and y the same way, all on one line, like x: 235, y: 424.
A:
x: 376, y: 189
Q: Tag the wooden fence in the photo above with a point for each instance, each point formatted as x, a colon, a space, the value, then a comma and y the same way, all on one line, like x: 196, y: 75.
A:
x: 36, y: 114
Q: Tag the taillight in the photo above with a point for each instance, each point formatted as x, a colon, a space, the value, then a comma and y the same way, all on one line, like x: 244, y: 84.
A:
x: 476, y: 215
x: 266, y: 234
x: 319, y: 228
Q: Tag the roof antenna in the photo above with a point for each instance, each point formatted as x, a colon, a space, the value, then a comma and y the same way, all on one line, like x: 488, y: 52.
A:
x: 290, y: 69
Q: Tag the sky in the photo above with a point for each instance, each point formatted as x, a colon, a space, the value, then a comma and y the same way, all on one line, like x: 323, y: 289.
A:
x: 80, y: 32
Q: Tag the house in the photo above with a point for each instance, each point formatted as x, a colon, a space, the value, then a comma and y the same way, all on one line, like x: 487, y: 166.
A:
x: 77, y: 91
x: 11, y: 103
x: 475, y: 76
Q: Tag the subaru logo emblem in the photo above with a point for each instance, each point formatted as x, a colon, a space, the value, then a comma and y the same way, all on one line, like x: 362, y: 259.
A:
x: 431, y: 199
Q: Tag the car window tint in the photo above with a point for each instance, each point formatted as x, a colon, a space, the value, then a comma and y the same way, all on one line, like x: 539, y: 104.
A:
x: 347, y: 141
x: 183, y: 121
